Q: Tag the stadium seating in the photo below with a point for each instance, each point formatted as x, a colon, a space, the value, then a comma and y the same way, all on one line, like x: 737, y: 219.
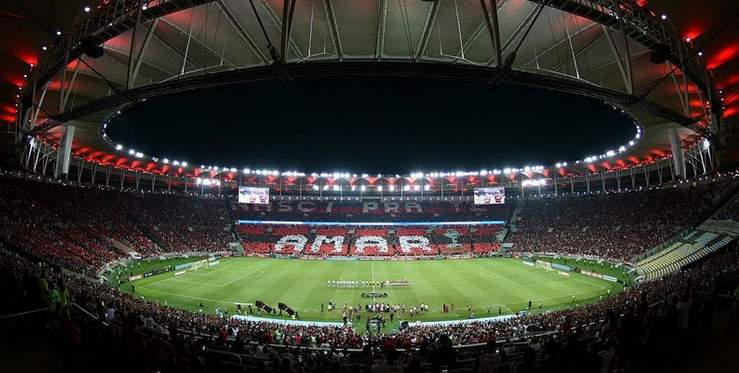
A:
x: 94, y: 226
x: 81, y: 229
x: 134, y: 326
x: 370, y: 210
x: 682, y: 253
x: 619, y: 226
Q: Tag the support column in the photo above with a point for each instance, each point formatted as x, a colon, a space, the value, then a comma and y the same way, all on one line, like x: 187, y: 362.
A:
x: 646, y: 174
x: 603, y: 180
x: 678, y: 156
x: 64, y: 152
x: 572, y: 185
x: 80, y: 171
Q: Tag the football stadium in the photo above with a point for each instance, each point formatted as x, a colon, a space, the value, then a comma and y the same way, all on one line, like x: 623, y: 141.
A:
x: 369, y: 186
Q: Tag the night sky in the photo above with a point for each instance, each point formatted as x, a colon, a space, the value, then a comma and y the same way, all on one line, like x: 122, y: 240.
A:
x: 372, y: 126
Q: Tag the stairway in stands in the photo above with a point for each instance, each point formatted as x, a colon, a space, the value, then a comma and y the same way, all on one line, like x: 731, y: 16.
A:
x: 707, y: 238
x: 691, y: 248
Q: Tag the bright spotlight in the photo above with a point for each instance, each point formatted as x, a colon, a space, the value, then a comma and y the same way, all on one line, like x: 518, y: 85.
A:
x: 118, y: 147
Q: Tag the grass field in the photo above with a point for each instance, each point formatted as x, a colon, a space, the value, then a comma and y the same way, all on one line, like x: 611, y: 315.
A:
x: 302, y: 284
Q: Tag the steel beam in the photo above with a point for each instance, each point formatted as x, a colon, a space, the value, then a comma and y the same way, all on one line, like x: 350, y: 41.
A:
x: 248, y: 39
x: 625, y: 74
x: 427, y: 27
x: 380, y: 37
x: 278, y: 23
x: 288, y: 10
x: 134, y: 71
x: 335, y: 36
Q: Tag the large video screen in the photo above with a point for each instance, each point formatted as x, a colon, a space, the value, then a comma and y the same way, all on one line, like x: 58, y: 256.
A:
x: 253, y: 195
x: 490, y: 196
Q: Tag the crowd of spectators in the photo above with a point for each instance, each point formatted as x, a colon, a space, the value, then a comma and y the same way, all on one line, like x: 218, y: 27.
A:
x: 47, y: 229
x: 617, y: 226
x: 371, y: 210
x: 83, y: 228
x: 160, y: 338
x: 396, y: 241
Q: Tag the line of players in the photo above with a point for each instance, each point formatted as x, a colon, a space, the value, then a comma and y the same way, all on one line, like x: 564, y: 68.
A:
x: 350, y: 284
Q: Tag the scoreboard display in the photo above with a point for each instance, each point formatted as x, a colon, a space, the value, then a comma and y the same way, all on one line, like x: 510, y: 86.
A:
x: 490, y: 196
x: 253, y: 195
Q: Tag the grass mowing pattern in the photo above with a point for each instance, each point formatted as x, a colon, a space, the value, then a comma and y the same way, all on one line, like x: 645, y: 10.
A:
x: 302, y: 284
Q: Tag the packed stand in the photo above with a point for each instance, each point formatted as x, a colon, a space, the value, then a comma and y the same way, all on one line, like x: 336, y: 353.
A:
x: 83, y: 228
x: 617, y: 226
x: 395, y: 241
x: 160, y: 338
x: 371, y: 210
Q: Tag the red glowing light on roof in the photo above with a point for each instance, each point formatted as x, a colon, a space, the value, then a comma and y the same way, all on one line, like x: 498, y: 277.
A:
x: 725, y: 55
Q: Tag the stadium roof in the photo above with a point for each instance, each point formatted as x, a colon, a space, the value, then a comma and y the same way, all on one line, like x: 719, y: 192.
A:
x: 574, y: 46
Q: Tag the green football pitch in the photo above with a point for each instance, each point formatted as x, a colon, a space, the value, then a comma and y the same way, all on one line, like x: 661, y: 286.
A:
x: 483, y: 284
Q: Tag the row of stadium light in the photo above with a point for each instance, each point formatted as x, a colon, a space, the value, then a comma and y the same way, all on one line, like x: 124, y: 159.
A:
x: 379, y: 188
x: 609, y: 153
x: 413, y: 175
x: 207, y: 182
